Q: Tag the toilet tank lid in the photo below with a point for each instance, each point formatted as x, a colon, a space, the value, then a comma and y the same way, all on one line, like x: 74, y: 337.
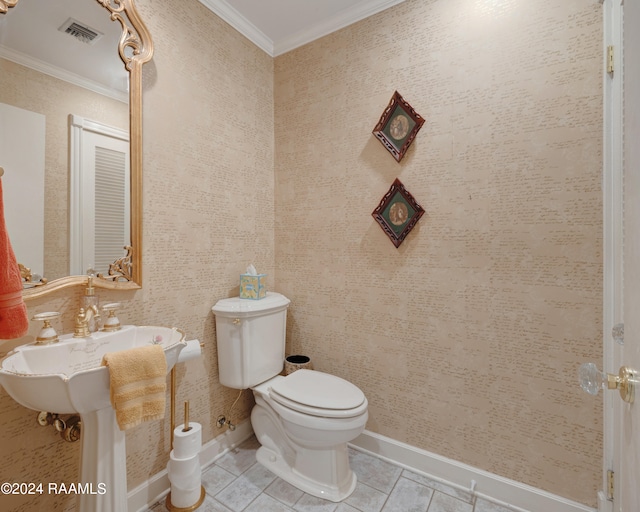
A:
x: 235, y: 306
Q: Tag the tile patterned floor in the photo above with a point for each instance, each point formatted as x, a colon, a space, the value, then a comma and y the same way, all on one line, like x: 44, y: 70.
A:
x: 237, y: 483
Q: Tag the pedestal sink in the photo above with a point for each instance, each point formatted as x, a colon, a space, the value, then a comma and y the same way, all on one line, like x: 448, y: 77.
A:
x: 67, y: 378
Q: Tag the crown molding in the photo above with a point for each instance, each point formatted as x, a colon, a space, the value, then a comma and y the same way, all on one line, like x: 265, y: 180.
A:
x: 326, y: 26
x: 240, y: 23
x: 61, y: 74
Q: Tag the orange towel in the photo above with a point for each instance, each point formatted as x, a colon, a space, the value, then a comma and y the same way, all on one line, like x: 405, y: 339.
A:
x: 138, y: 382
x: 14, y: 322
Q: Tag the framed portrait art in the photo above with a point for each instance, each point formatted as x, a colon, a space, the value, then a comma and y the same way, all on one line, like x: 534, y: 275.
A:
x: 398, y: 126
x: 397, y: 213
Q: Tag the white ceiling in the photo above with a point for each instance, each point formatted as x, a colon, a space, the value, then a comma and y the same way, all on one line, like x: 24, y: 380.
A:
x: 278, y: 26
x: 29, y: 33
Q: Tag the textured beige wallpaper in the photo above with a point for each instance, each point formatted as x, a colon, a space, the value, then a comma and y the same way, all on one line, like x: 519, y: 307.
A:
x: 467, y: 338
x: 208, y: 212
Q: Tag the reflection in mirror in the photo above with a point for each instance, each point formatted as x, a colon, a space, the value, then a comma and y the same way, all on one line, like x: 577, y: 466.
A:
x: 100, y: 198
x: 72, y: 90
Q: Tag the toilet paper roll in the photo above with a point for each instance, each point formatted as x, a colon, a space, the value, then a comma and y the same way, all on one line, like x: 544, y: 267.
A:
x: 184, y: 474
x: 182, y: 499
x: 187, y: 444
x: 191, y: 351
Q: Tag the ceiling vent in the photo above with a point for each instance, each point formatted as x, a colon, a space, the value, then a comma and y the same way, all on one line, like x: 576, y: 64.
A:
x: 80, y: 31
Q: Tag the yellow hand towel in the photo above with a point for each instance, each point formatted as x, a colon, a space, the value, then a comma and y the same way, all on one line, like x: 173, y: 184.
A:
x: 138, y: 379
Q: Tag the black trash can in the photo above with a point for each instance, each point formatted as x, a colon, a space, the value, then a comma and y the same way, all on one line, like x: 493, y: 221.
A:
x: 296, y: 362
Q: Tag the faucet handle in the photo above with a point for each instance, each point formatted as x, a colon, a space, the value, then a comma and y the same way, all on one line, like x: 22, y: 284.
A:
x: 111, y: 323
x: 47, y: 334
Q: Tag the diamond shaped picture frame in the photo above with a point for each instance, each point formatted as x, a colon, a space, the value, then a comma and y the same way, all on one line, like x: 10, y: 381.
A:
x: 397, y: 213
x: 398, y: 126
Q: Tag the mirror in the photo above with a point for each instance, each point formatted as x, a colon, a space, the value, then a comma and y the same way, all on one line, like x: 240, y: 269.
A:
x: 132, y: 46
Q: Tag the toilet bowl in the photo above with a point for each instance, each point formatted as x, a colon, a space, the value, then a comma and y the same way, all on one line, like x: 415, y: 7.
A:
x: 303, y: 420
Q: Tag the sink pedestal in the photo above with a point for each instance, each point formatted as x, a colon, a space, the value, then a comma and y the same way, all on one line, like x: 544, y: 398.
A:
x: 103, y: 463
x: 68, y: 378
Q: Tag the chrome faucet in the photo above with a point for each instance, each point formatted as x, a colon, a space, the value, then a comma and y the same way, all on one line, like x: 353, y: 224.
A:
x: 83, y: 320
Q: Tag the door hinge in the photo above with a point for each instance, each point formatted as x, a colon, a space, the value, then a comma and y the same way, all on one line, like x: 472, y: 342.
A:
x: 610, y: 483
x: 610, y: 60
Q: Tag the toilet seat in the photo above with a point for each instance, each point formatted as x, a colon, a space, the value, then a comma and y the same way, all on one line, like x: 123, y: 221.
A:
x: 318, y: 394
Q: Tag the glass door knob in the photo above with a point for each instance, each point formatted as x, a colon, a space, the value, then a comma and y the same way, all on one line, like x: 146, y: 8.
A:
x: 592, y: 380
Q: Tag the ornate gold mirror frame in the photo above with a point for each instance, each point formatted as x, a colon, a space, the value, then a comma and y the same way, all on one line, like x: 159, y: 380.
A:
x: 135, y: 48
x: 5, y: 4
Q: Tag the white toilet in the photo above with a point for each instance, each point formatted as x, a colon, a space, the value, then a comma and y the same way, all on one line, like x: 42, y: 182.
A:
x: 303, y: 420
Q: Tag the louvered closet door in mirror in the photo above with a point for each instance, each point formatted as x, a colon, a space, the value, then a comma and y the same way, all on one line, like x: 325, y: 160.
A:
x: 101, y: 191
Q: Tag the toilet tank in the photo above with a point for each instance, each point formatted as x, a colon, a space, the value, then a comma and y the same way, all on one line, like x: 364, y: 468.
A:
x: 251, y: 336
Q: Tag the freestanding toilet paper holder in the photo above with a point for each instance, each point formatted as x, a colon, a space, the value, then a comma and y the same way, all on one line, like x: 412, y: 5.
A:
x: 186, y: 427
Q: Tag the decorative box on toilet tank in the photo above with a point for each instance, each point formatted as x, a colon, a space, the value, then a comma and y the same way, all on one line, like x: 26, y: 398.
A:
x: 253, y: 286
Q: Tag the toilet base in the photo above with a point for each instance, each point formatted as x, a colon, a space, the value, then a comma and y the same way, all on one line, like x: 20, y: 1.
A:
x: 322, y: 472
x: 277, y: 464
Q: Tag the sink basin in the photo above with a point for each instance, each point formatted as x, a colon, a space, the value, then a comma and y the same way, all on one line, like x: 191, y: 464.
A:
x: 67, y: 378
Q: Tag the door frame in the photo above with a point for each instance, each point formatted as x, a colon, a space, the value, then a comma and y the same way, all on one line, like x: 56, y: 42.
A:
x: 613, y: 193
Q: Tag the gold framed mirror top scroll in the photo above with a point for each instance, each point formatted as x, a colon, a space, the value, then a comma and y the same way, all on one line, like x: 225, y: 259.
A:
x: 135, y: 48
x: 6, y: 4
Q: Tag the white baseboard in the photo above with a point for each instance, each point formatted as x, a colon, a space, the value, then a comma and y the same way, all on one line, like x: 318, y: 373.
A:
x: 604, y: 504
x: 158, y: 486
x: 487, y: 485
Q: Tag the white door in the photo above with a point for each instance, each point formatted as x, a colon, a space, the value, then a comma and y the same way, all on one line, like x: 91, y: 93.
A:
x: 100, y: 196
x: 621, y: 186
x: 627, y: 482
x: 22, y: 154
